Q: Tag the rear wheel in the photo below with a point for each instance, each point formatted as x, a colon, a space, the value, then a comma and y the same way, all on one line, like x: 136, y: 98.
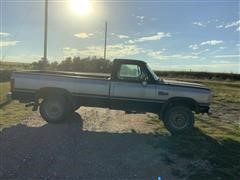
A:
x: 179, y: 119
x: 54, y: 109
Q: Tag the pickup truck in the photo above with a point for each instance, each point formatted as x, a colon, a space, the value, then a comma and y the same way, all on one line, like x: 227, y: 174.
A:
x: 132, y: 87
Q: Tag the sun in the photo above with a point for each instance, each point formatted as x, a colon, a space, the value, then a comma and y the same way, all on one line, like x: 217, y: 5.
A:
x: 81, y: 7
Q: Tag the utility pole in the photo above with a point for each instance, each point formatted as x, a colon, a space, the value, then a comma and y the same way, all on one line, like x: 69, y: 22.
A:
x: 105, y: 42
x: 45, y: 31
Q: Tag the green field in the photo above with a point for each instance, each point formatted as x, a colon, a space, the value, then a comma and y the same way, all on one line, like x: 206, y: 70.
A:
x: 14, y: 65
x: 13, y: 112
x: 4, y: 89
x: 223, y: 91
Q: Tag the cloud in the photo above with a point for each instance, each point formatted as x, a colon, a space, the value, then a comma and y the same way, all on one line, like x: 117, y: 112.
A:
x: 8, y: 43
x: 199, y: 24
x: 4, y: 34
x: 155, y: 37
x: 140, y: 20
x: 140, y: 17
x: 28, y: 58
x: 211, y: 42
x: 222, y: 47
x: 131, y: 41
x: 193, y: 46
x: 161, y: 56
x: 113, y: 51
x: 200, y: 52
x: 154, y: 19
x: 228, y: 56
x: 83, y: 35
x: 234, y: 24
x: 214, y: 67
x: 121, y: 36
x: 154, y: 54
x: 220, y: 62
x: 219, y: 26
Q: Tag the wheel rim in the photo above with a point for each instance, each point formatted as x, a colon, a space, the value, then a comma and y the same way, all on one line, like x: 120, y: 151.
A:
x: 179, y: 120
x: 53, y: 110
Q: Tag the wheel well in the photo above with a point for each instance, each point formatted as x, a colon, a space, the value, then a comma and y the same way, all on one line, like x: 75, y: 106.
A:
x: 48, y: 91
x: 179, y: 101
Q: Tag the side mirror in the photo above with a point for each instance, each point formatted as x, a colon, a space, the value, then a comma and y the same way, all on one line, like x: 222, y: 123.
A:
x: 144, y: 83
x: 143, y: 77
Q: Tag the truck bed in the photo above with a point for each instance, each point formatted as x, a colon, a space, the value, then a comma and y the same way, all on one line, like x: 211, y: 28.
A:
x: 76, y: 83
x: 68, y: 73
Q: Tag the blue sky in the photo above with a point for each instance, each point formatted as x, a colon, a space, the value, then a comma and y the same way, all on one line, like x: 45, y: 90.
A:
x: 169, y: 35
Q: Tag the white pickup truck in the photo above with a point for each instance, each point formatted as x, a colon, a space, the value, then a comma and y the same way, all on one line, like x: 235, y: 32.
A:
x: 131, y: 87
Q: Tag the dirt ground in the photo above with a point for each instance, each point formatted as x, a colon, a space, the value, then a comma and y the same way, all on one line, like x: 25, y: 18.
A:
x: 95, y: 143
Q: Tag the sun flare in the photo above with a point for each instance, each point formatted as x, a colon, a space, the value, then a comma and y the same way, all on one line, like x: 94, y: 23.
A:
x: 81, y: 7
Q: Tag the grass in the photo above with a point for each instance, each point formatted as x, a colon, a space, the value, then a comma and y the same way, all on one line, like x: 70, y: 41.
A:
x: 14, y: 65
x: 223, y: 91
x: 213, y: 147
x: 4, y: 89
x: 13, y: 113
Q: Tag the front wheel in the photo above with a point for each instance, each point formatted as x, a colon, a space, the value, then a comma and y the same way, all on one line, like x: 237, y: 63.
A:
x: 54, y: 109
x: 179, y: 119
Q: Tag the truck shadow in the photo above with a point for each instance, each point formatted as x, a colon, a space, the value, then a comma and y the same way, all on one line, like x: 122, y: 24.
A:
x: 65, y: 151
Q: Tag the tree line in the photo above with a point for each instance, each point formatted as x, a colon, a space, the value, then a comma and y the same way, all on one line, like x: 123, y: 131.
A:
x: 94, y: 64
x: 76, y: 64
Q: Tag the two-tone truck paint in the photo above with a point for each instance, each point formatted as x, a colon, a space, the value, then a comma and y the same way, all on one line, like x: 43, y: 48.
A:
x: 131, y: 87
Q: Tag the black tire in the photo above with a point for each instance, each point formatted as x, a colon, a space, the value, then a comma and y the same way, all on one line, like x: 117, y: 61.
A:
x: 54, y: 109
x: 179, y: 120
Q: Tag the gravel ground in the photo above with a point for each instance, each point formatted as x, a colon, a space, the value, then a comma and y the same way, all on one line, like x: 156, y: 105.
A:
x: 94, y: 143
x: 99, y: 144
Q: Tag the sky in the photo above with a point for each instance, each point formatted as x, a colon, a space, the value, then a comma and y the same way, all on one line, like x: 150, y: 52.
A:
x: 186, y: 35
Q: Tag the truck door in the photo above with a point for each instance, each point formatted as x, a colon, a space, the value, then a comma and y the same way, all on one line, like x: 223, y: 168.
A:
x: 130, y: 90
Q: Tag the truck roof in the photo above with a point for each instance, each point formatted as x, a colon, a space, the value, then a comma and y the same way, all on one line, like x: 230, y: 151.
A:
x: 129, y: 61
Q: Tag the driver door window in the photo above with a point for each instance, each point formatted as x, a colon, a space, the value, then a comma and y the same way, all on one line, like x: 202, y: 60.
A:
x: 130, y: 72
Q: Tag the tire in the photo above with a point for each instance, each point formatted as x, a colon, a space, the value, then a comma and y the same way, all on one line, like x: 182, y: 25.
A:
x: 179, y: 120
x: 54, y: 109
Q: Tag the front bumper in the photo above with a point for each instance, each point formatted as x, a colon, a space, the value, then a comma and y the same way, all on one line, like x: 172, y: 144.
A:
x: 204, y: 109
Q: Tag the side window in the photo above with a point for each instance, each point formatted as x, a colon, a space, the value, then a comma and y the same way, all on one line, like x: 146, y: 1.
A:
x: 131, y: 72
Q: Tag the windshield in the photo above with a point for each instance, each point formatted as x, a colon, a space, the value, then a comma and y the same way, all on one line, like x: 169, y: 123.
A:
x: 153, y: 73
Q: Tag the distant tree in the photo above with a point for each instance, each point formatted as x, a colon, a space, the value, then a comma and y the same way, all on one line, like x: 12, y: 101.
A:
x: 88, y: 64
x: 42, y: 64
x: 53, y: 66
x: 66, y: 65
